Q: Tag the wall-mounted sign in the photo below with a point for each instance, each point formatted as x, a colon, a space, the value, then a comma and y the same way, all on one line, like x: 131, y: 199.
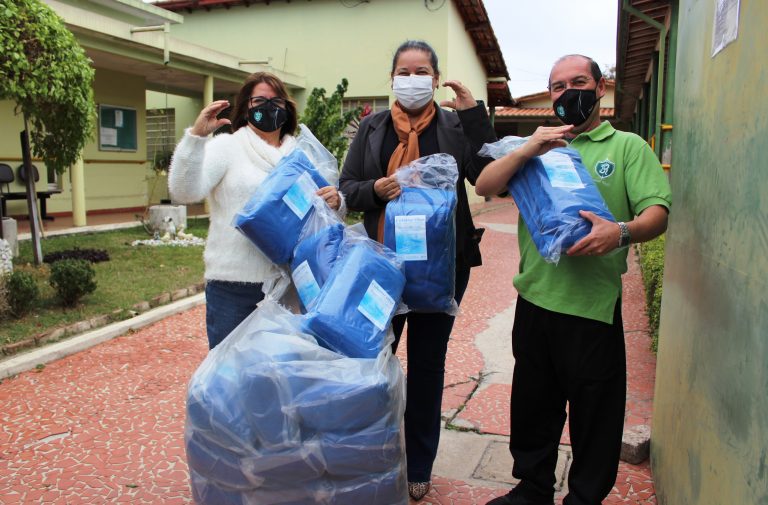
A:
x: 117, y: 128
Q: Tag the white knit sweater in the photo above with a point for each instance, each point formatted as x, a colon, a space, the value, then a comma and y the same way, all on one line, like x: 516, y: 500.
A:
x: 227, y: 169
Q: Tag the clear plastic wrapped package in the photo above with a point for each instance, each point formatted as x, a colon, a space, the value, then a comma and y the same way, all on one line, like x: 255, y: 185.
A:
x: 323, y: 160
x: 550, y: 190
x: 420, y: 226
x: 316, y: 253
x: 273, y: 418
x: 353, y: 312
x: 274, y: 215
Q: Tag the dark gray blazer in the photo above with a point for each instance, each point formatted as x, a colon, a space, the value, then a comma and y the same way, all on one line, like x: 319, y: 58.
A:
x: 459, y: 134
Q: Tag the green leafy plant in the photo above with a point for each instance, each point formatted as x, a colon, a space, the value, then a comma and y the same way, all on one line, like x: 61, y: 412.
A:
x: 323, y: 115
x: 22, y: 292
x: 652, y: 268
x: 4, y: 308
x: 72, y: 279
x: 48, y: 76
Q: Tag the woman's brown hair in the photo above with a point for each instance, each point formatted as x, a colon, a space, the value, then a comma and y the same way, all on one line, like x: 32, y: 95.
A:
x: 239, y: 115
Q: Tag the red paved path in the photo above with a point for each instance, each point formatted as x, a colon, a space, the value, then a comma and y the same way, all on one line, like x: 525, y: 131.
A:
x: 106, y: 425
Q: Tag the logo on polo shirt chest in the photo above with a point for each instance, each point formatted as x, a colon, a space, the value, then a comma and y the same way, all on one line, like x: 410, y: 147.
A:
x: 605, y: 168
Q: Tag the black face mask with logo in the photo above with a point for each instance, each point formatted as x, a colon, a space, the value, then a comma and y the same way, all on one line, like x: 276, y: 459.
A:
x: 574, y: 106
x: 267, y: 117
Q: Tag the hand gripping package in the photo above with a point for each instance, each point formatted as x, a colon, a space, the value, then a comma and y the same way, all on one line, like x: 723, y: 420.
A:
x: 420, y: 226
x: 549, y: 191
x: 274, y: 418
x: 274, y: 215
x: 353, y: 312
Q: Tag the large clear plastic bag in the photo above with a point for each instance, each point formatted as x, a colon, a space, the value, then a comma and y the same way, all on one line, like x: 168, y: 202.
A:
x: 274, y: 215
x: 353, y: 312
x: 420, y: 226
x: 274, y: 418
x: 321, y: 158
x: 316, y: 253
x: 550, y: 190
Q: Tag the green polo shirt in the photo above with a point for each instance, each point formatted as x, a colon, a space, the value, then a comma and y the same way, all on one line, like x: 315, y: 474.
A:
x: 630, y: 178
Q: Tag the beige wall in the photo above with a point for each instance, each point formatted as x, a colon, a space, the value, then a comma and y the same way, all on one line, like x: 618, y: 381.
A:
x: 325, y: 41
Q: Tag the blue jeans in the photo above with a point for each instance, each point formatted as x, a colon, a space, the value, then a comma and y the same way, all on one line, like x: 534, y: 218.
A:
x: 227, y: 305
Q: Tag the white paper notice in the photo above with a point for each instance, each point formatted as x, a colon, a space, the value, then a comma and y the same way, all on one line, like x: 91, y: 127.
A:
x: 411, y: 238
x: 299, y: 195
x: 726, y: 24
x: 306, y: 284
x: 108, y: 136
x: 118, y: 119
x: 377, y: 305
x: 561, y: 171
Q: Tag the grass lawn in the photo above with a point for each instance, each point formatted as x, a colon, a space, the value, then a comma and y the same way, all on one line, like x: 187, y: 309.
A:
x: 132, y: 275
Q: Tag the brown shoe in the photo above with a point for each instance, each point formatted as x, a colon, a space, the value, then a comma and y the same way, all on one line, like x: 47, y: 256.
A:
x: 418, y: 490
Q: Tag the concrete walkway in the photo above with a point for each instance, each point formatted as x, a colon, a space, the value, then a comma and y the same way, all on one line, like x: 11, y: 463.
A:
x: 106, y: 424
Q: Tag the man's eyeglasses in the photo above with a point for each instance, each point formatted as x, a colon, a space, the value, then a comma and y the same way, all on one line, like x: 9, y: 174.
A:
x: 260, y: 101
x: 577, y: 82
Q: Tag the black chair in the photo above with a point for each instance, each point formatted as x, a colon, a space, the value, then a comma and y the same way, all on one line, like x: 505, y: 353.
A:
x: 6, y: 178
x: 42, y: 196
x: 23, y: 173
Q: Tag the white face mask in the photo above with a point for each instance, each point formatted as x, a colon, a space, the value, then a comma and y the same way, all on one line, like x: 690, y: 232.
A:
x: 413, y: 91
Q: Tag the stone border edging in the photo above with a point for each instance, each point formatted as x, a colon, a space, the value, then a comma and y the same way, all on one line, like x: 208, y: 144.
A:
x: 29, y: 360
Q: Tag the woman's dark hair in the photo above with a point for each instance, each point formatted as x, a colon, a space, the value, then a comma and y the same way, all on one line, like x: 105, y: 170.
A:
x: 419, y: 45
x: 239, y: 115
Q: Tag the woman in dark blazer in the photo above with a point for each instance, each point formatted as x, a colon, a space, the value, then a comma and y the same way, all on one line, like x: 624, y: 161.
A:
x: 416, y: 126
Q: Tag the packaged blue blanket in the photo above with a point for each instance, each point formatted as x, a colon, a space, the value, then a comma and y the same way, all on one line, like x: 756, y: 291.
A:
x: 272, y: 417
x: 420, y: 226
x: 550, y: 190
x: 353, y: 312
x: 273, y: 217
x: 316, y: 253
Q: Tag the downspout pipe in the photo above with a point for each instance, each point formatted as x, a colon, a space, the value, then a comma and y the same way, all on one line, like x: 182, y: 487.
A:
x: 627, y: 7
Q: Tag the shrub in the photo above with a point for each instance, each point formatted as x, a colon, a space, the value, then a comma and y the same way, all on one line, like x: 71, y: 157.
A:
x: 652, y: 267
x: 23, y: 292
x: 4, y: 308
x: 92, y: 255
x: 72, y: 279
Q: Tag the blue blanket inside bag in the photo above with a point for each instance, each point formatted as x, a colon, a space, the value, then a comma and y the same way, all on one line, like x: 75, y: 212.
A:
x: 420, y: 226
x: 550, y: 190
x: 273, y: 217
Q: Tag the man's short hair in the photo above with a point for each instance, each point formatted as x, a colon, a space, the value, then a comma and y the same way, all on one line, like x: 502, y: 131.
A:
x: 594, y: 68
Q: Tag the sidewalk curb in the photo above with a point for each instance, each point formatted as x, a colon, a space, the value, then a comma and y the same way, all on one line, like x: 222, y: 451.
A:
x: 52, y: 352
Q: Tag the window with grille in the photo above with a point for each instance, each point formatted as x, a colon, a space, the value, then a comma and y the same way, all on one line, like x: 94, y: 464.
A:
x: 369, y: 105
x: 161, y: 136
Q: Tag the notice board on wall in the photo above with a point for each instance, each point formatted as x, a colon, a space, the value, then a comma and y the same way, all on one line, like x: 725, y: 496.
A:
x: 117, y: 128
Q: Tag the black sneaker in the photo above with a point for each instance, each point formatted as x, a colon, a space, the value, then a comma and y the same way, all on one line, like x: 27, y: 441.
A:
x: 513, y: 498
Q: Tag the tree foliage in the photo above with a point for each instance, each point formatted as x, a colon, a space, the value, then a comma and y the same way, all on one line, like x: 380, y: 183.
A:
x: 323, y: 115
x: 48, y: 75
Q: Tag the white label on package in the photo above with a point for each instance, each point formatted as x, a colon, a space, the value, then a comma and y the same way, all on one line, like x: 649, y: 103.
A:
x: 306, y: 284
x: 376, y: 305
x: 299, y: 196
x: 411, y: 238
x: 561, y: 171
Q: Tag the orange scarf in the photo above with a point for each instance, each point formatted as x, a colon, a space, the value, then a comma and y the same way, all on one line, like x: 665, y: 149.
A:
x: 408, y: 149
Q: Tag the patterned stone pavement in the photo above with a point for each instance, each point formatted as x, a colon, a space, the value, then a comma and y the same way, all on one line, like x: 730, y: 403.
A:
x: 106, y: 425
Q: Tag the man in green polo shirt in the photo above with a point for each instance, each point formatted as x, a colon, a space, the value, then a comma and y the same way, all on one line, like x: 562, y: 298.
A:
x: 568, y: 338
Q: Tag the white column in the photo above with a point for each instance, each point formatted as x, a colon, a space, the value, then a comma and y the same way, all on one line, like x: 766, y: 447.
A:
x: 77, y: 172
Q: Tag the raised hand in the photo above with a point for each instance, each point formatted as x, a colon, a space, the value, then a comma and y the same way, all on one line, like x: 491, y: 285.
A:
x: 464, y: 99
x: 206, y: 122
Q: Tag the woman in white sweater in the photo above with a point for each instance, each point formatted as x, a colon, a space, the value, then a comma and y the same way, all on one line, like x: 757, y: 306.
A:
x: 227, y: 169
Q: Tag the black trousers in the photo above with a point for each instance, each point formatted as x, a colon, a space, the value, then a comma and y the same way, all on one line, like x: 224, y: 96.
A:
x: 428, y: 335
x: 561, y: 358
